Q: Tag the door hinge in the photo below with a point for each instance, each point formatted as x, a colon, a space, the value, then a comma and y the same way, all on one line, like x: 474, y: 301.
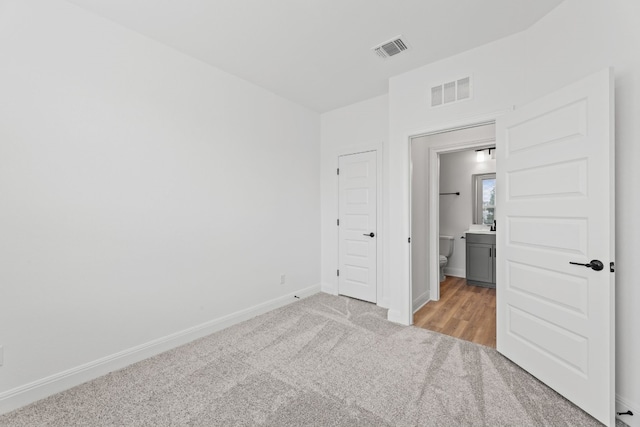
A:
x: 337, y: 272
x: 612, y: 267
x: 338, y: 221
x: 338, y: 171
x: 409, y: 239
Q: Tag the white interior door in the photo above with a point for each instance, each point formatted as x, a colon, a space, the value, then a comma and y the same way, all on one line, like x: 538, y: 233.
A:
x: 555, y: 206
x: 357, y: 226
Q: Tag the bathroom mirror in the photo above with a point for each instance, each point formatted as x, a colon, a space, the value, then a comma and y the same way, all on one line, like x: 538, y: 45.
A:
x: 484, y: 198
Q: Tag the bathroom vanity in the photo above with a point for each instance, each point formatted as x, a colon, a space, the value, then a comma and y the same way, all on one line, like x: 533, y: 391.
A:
x: 481, y: 258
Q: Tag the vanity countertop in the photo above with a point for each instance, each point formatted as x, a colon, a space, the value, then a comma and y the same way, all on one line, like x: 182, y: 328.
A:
x: 479, y: 232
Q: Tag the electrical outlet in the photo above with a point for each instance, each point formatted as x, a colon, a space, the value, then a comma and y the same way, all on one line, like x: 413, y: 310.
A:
x: 283, y: 279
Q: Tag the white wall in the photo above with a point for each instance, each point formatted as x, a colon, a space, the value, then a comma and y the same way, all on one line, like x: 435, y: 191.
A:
x: 496, y: 74
x: 576, y: 39
x: 142, y: 193
x: 356, y: 128
x: 456, y: 212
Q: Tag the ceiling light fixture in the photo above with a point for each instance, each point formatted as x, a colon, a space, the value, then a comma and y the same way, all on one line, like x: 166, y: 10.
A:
x: 480, y: 157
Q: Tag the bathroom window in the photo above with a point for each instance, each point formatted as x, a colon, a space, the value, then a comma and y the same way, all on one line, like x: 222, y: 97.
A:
x: 484, y: 203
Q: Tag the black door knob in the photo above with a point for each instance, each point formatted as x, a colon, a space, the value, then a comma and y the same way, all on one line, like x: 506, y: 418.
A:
x: 594, y: 264
x: 370, y: 234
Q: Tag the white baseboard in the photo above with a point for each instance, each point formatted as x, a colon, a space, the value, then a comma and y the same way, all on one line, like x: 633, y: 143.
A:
x: 393, y: 316
x: 623, y: 405
x: 419, y: 302
x: 396, y: 317
x: 455, y: 272
x: 29, y: 393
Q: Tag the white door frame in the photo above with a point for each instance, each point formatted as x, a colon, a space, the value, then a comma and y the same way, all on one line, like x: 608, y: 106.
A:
x: 434, y: 184
x: 382, y: 299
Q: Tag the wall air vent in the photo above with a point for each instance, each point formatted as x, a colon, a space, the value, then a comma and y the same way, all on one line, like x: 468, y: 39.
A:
x: 450, y: 92
x: 391, y: 47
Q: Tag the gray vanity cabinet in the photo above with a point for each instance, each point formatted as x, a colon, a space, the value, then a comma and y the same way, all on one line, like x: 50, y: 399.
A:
x: 481, y: 259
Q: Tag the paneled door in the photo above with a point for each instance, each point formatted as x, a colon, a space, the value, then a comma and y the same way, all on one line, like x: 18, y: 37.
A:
x: 555, y: 208
x: 357, y: 231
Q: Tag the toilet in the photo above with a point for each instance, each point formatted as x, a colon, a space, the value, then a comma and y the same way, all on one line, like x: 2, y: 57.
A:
x: 446, y: 250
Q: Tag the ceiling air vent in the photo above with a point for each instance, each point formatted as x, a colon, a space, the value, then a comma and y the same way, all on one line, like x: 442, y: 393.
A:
x: 450, y: 92
x: 391, y: 47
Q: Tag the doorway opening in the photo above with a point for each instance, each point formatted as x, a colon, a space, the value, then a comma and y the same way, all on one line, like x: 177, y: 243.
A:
x: 451, y: 196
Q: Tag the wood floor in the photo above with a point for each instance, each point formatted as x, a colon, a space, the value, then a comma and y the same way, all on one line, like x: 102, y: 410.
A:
x: 464, y: 311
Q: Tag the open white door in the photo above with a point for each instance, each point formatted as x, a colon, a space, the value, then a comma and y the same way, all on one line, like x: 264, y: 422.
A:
x: 357, y: 235
x: 555, y: 207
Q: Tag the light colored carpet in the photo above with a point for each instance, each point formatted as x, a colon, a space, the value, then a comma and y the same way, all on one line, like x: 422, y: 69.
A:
x: 323, y: 361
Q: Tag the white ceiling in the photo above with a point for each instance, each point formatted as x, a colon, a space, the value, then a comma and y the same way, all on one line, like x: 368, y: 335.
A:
x: 317, y: 52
